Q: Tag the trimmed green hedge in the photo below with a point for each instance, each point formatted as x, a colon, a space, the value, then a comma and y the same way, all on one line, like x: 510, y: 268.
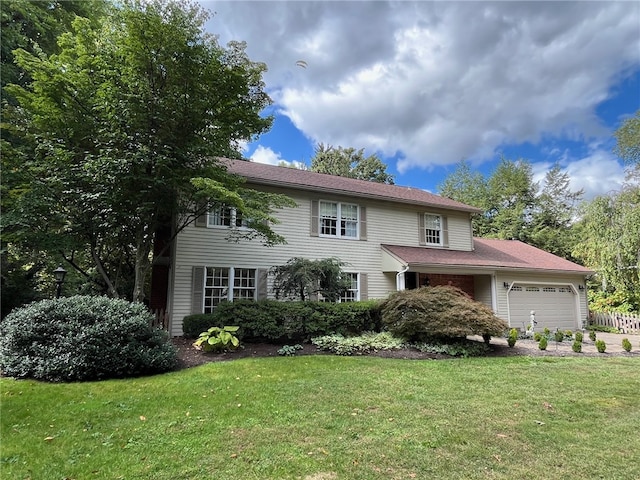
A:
x: 272, y: 321
x: 83, y: 338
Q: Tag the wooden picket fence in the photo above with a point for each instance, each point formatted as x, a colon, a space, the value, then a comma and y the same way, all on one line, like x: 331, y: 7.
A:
x: 161, y: 319
x: 624, y: 322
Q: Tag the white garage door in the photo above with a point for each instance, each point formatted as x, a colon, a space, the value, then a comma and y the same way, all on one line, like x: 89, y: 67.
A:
x: 555, y: 306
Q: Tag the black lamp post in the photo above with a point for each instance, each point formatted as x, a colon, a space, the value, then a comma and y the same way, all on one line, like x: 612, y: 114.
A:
x: 59, y: 274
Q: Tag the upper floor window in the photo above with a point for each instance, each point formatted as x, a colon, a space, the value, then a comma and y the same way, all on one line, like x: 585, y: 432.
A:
x: 338, y: 219
x: 433, y: 229
x: 224, y: 216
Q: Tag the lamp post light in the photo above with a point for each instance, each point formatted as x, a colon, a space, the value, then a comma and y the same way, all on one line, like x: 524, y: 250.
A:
x: 59, y: 274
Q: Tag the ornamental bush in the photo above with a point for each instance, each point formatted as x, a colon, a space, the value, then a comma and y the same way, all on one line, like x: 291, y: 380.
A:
x: 83, y: 338
x: 438, y: 312
x: 273, y: 321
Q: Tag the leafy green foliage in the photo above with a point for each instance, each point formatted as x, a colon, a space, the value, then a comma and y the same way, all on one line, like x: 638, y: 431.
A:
x: 628, y: 140
x: 141, y: 97
x: 457, y: 348
x: 579, y: 336
x: 83, y: 338
x: 576, y: 346
x: 537, y: 336
x: 609, y: 243
x: 436, y: 312
x: 559, y: 336
x: 626, y: 344
x: 194, y: 325
x: 542, y: 344
x: 273, y: 321
x: 513, y: 337
x: 601, y: 346
x: 515, y: 208
x: 349, y: 162
x: 357, y: 345
x: 218, y: 339
x: 289, y: 350
x: 303, y: 279
x: 592, y: 335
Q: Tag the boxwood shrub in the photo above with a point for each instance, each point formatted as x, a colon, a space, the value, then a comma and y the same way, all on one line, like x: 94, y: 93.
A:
x: 273, y: 321
x: 83, y: 338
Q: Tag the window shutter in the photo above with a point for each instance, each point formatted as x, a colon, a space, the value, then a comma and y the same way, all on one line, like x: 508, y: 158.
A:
x: 363, y: 223
x: 445, y: 231
x: 262, y: 283
x: 314, y: 218
x: 421, y: 229
x: 197, y: 290
x: 364, y: 287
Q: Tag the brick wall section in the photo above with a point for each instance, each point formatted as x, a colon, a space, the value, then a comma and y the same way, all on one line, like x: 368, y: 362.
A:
x: 463, y: 282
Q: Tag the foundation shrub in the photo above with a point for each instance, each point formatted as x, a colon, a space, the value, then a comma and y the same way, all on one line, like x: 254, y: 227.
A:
x: 274, y: 321
x: 83, y: 338
x: 601, y: 346
x: 438, y: 312
x: 626, y: 344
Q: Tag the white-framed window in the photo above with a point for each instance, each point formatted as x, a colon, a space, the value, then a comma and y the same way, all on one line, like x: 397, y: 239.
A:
x: 432, y: 229
x: 224, y: 216
x: 351, y: 294
x: 217, y: 282
x: 338, y: 219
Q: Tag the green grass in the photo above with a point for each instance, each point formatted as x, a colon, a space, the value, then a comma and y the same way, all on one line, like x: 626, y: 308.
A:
x: 330, y: 418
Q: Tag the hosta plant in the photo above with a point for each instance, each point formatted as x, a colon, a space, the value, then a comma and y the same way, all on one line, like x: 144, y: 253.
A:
x: 218, y: 339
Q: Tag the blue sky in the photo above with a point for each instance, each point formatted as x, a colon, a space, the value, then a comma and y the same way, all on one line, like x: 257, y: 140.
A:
x: 426, y: 84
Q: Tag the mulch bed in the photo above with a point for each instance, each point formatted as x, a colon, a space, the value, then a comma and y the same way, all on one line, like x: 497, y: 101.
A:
x: 190, y: 357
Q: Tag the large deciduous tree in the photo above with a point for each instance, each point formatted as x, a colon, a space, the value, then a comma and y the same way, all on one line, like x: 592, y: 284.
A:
x: 628, y: 140
x: 349, y: 162
x: 609, y: 233
x: 127, y: 121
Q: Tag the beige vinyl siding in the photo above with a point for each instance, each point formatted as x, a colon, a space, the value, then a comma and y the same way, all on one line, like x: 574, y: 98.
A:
x: 541, y: 280
x: 386, y: 223
x: 482, y: 289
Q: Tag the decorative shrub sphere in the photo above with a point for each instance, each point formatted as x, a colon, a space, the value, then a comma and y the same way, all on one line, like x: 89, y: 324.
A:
x: 83, y: 338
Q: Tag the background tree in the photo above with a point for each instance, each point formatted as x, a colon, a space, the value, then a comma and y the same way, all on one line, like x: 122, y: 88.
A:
x: 349, y: 162
x: 128, y: 119
x: 609, y: 234
x: 33, y: 26
x: 628, y: 140
x: 551, y: 224
x: 506, y: 198
x: 302, y: 278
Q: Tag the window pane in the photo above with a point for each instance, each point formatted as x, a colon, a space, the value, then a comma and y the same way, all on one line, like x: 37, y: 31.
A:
x: 433, y: 228
x: 328, y: 218
x: 351, y: 294
x: 216, y: 287
x: 244, y: 283
x: 220, y: 216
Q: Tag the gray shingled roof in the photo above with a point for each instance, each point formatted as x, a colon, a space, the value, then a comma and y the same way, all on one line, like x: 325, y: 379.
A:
x: 259, y: 173
x: 488, y: 252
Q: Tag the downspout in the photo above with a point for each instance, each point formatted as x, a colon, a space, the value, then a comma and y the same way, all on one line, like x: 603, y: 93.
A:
x: 399, y: 279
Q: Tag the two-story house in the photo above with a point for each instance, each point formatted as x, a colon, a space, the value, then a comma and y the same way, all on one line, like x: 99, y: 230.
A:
x: 390, y: 238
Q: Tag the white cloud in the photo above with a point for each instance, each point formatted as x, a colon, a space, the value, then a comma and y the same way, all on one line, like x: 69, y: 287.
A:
x: 268, y: 156
x: 439, y: 81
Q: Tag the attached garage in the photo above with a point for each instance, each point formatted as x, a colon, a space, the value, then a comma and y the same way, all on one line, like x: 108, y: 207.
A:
x: 555, y: 306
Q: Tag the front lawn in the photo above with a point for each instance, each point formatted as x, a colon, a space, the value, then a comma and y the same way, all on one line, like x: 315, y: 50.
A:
x: 333, y: 418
